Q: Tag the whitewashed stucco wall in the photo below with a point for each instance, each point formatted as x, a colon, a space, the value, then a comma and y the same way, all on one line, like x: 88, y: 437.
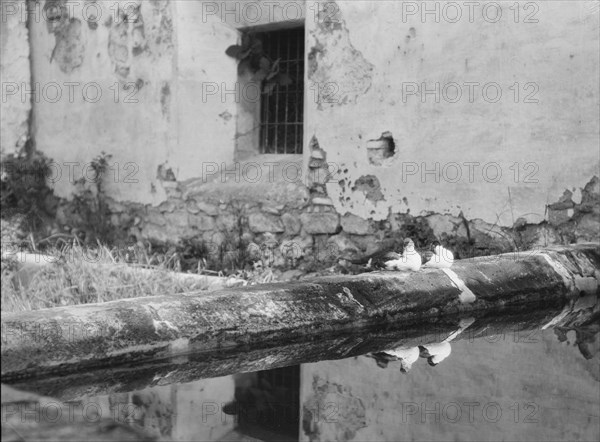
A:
x: 121, y: 103
x: 171, y: 58
x: 15, y: 76
x: 206, y: 83
x: 184, y: 116
x: 370, y: 67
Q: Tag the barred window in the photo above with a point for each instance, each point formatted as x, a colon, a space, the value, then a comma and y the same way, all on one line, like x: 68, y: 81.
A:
x: 282, y: 110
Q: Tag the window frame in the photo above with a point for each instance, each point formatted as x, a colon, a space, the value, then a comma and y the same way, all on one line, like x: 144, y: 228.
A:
x: 247, y: 142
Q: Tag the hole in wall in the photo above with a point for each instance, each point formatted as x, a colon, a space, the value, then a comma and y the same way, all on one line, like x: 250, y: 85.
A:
x: 381, y: 149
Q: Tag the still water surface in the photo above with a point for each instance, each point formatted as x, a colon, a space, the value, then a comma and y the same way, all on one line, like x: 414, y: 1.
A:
x: 527, y: 385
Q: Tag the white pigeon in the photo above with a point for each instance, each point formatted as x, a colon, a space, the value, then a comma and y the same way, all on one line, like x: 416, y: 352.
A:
x: 409, y: 260
x: 406, y: 355
x: 441, y: 258
x: 438, y: 351
x: 435, y: 352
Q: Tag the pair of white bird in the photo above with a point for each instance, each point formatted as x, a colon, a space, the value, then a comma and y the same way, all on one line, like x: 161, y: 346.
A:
x: 411, y: 260
x: 435, y: 352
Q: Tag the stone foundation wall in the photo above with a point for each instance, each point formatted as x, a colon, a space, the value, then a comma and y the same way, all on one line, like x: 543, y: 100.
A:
x: 295, y: 225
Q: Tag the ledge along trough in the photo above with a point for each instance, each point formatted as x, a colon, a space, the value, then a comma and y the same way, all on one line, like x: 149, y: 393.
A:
x: 140, y: 342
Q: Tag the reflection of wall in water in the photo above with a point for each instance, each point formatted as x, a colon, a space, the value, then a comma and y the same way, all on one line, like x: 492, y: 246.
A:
x: 190, y: 411
x: 544, y: 390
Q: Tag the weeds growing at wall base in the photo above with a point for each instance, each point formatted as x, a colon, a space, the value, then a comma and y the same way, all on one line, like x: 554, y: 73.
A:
x: 79, y: 274
x: 80, y: 280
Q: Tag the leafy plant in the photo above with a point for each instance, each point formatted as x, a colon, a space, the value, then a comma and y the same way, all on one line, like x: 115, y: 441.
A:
x: 252, y: 57
x: 24, y: 189
x: 232, y: 252
x: 417, y: 229
x: 89, y: 202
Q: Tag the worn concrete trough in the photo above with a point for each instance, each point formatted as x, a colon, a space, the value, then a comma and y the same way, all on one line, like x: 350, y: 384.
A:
x: 327, y: 314
x: 134, y: 376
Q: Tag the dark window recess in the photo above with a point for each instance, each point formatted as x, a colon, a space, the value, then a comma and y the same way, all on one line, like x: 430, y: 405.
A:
x: 271, y: 406
x: 282, y: 110
x: 283, y: 389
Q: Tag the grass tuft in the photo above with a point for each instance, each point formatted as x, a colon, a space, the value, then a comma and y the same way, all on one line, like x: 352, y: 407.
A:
x: 83, y: 276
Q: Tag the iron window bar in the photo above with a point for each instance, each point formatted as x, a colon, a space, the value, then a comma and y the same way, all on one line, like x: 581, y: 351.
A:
x: 281, y: 113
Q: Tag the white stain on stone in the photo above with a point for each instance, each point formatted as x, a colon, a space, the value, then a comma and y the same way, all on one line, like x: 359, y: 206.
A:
x: 586, y: 284
x: 180, y: 349
x: 127, y: 350
x: 466, y: 295
x: 557, y: 318
x: 559, y: 268
x: 267, y: 308
x: 158, y: 377
x: 269, y: 360
x: 484, y: 276
x: 462, y: 326
x: 179, y: 345
x: 577, y: 196
x: 158, y: 325
x: 350, y: 297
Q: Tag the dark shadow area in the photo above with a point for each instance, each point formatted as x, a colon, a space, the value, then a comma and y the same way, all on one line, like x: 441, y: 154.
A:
x: 267, y: 404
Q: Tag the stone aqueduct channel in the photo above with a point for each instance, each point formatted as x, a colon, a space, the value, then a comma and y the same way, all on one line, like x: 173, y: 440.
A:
x: 306, y: 314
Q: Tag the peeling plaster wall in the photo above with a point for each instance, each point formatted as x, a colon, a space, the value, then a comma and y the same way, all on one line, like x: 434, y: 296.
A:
x: 156, y: 115
x: 354, y: 399
x: 14, y: 75
x: 173, y: 132
x: 120, y: 63
x: 172, y: 411
x: 176, y: 113
x: 362, y: 68
x: 177, y: 127
x: 204, y: 76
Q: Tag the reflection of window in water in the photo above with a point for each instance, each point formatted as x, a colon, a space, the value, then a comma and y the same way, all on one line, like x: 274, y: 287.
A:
x: 267, y: 403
